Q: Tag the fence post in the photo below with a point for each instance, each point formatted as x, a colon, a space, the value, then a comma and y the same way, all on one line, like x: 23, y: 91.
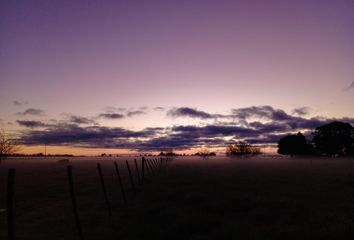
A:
x: 120, y: 183
x: 148, y: 166
x: 10, y: 203
x: 74, y: 203
x: 137, y: 171
x: 104, y: 189
x: 160, y: 164
x: 130, y: 176
x: 142, y: 169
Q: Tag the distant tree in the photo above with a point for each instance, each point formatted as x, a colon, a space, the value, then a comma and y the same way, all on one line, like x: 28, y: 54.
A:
x: 242, y: 148
x: 204, y: 152
x: 294, y: 144
x: 7, y: 145
x: 167, y: 153
x: 335, y: 138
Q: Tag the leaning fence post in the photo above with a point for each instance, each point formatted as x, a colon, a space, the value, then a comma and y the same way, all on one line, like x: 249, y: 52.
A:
x: 74, y: 203
x: 148, y: 167
x: 104, y: 189
x: 130, y: 176
x: 153, y: 166
x: 10, y: 203
x: 160, y: 164
x: 137, y: 171
x: 120, y: 183
x: 142, y: 169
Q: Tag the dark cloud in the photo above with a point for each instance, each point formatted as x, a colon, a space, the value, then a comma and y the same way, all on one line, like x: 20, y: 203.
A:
x: 143, y: 108
x: 257, y: 125
x: 19, y: 103
x: 212, y: 131
x: 159, y: 108
x: 32, y: 111
x: 31, y: 124
x: 111, y: 115
x: 80, y: 120
x: 134, y: 113
x: 114, y: 109
x: 93, y: 136
x: 189, y: 112
x: 260, y: 112
x: 302, y: 111
x: 350, y: 87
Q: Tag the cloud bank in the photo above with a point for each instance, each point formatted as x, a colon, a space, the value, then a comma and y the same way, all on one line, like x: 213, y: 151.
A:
x: 255, y: 124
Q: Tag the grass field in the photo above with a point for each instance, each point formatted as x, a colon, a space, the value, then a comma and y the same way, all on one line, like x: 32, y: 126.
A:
x: 193, y: 198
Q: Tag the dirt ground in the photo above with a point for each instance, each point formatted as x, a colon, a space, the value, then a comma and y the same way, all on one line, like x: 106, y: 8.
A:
x: 191, y: 198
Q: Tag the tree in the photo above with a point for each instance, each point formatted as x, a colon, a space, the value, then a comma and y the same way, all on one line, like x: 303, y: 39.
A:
x: 204, y: 152
x: 7, y: 145
x: 242, y: 148
x: 335, y: 138
x: 167, y: 153
x: 294, y: 144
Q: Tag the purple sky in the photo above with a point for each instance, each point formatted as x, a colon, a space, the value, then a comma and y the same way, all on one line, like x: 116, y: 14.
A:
x: 90, y: 58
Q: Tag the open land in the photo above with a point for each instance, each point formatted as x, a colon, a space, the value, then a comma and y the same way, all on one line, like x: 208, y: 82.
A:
x: 190, y: 198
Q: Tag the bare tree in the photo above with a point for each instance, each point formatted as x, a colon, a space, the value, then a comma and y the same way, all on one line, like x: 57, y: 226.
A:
x: 7, y: 145
x: 242, y: 148
x: 204, y: 152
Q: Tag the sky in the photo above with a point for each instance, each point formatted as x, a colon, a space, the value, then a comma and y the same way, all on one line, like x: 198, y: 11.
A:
x: 131, y: 76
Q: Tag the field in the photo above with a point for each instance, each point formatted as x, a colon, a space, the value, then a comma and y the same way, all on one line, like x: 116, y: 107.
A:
x: 190, y: 198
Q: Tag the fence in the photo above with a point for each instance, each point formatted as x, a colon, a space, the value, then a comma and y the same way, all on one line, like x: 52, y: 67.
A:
x: 138, y: 174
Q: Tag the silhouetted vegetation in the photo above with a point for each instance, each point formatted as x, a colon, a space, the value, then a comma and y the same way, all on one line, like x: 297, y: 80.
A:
x: 242, y: 148
x: 333, y: 139
x: 40, y: 155
x: 7, y: 145
x: 205, y: 153
x: 294, y: 144
x: 168, y: 153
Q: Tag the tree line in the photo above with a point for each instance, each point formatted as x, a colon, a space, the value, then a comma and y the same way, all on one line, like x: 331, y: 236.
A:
x: 334, y: 139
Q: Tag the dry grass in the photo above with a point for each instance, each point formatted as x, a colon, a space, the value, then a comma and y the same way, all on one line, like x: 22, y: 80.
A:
x: 215, y: 198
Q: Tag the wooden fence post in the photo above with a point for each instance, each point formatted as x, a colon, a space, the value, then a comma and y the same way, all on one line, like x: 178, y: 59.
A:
x: 74, y: 203
x: 137, y: 171
x: 130, y: 176
x: 142, y: 169
x: 120, y: 183
x: 10, y: 203
x: 104, y: 189
x: 148, y: 164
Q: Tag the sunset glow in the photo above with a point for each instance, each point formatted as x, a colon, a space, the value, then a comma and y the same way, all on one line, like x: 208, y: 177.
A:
x: 127, y: 77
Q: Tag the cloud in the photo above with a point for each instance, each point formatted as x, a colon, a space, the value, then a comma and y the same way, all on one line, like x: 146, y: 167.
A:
x: 31, y: 124
x: 261, y: 112
x: 190, y: 112
x: 111, y: 116
x: 32, y: 111
x: 93, y: 136
x: 80, y: 120
x: 134, y: 113
x: 257, y: 125
x: 350, y: 87
x: 159, y: 108
x: 19, y: 103
x: 143, y: 108
x: 302, y: 111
